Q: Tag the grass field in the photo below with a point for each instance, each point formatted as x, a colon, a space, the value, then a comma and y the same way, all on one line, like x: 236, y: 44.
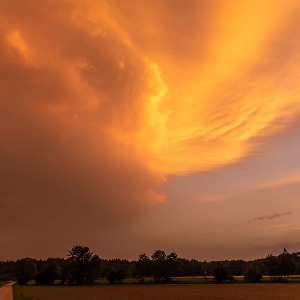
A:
x: 262, y: 291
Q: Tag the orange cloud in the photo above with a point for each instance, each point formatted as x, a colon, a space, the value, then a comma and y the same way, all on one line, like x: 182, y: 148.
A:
x: 222, y: 71
x: 101, y: 100
x: 15, y: 40
x: 239, y: 94
x: 73, y: 123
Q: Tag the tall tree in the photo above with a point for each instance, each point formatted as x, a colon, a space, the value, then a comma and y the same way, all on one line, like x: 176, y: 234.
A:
x: 172, y: 266
x: 159, y: 267
x: 164, y: 266
x: 142, y: 267
x: 85, y: 266
x: 287, y: 263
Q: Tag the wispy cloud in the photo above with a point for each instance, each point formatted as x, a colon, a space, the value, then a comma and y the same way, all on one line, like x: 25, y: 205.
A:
x: 271, y: 216
x: 288, y: 179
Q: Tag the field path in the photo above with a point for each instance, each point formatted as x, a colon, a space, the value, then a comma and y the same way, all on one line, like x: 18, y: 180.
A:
x: 6, y: 292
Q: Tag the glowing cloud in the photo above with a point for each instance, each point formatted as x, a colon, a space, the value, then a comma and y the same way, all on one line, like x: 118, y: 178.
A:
x: 241, y: 92
x: 75, y: 111
x: 100, y: 100
x: 224, y: 66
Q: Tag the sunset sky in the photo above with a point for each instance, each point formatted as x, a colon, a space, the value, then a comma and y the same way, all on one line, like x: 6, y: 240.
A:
x: 137, y: 125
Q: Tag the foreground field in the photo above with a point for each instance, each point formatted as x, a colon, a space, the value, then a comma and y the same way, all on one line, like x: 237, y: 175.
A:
x: 269, y: 291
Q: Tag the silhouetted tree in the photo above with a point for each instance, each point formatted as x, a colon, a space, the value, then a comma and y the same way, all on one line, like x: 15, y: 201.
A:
x: 287, y: 263
x: 195, y: 268
x: 164, y: 266
x: 116, y: 276
x: 142, y: 267
x: 253, y: 275
x: 296, y: 256
x: 159, y: 267
x: 120, y: 275
x: 220, y: 273
x: 84, y: 265
x: 47, y: 275
x: 205, y: 269
x: 25, y: 270
x: 66, y: 276
x: 236, y: 267
x: 272, y: 265
x: 172, y: 266
x: 7, y: 270
x: 93, y: 270
x: 111, y: 276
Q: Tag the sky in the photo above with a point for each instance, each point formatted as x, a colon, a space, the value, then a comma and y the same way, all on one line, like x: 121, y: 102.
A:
x: 131, y: 126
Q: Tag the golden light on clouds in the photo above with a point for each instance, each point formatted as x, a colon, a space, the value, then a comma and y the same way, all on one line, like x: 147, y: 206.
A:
x: 236, y: 95
x: 102, y: 100
x: 15, y: 40
x: 208, y: 111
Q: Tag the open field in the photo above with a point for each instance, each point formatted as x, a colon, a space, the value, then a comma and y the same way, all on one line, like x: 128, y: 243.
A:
x: 269, y: 291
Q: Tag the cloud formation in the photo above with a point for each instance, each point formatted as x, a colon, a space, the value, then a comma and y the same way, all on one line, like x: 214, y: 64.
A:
x: 72, y: 111
x: 241, y: 96
x: 221, y: 86
x: 101, y: 100
x: 272, y: 216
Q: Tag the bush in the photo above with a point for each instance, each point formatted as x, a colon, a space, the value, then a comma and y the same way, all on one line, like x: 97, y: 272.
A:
x: 253, y: 275
x: 116, y: 276
x: 111, y: 277
x: 220, y: 274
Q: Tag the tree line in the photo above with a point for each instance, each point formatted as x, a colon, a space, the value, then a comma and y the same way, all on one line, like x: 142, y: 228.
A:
x: 84, y: 267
